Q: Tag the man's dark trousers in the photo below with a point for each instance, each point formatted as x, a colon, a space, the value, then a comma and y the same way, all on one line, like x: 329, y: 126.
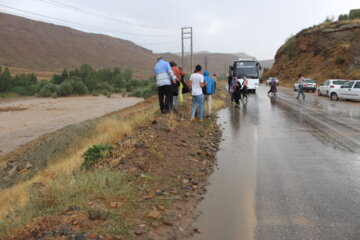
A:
x: 164, y: 97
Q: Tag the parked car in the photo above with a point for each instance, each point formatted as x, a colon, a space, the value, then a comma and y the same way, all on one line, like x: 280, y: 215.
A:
x: 268, y: 81
x: 310, y: 85
x: 350, y: 90
x: 329, y: 86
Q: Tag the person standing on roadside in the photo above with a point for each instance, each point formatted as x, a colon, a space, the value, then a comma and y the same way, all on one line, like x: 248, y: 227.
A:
x: 245, y: 84
x: 178, y: 74
x: 214, y: 77
x: 209, y: 90
x: 164, y: 78
x: 301, y: 83
x: 197, y: 83
x: 237, y: 90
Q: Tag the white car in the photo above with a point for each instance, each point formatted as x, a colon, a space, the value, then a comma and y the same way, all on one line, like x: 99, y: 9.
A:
x: 329, y: 86
x: 350, y: 90
x: 309, y: 85
x: 268, y: 81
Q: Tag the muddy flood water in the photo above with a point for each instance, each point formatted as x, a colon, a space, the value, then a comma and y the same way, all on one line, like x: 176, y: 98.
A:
x: 23, y: 120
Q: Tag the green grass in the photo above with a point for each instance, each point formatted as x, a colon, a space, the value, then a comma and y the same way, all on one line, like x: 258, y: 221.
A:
x: 95, y: 153
x: 65, y: 191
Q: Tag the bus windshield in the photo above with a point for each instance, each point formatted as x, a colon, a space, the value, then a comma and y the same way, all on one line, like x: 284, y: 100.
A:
x: 246, y: 69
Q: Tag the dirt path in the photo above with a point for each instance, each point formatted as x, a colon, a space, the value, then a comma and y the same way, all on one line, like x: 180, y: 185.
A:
x: 26, y: 119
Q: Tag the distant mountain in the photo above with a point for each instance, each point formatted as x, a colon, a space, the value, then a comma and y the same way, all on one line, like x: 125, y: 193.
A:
x: 40, y: 46
x: 267, y: 63
x: 217, y: 62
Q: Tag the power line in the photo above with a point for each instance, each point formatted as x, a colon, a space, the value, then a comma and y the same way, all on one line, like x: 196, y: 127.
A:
x: 97, y: 14
x: 84, y: 25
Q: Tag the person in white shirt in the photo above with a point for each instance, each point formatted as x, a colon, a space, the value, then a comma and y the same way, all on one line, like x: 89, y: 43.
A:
x: 197, y: 83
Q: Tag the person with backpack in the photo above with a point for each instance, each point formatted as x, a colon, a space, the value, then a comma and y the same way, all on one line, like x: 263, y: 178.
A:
x: 197, y: 83
x: 208, y: 90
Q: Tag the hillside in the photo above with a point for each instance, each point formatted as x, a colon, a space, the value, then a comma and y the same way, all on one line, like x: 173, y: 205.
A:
x: 28, y: 46
x: 43, y: 47
x: 328, y: 50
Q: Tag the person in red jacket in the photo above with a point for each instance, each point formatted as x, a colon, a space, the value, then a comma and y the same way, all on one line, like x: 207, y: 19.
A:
x: 178, y: 74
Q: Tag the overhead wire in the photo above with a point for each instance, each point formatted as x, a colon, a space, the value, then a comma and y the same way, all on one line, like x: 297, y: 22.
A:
x: 97, y: 14
x: 84, y: 25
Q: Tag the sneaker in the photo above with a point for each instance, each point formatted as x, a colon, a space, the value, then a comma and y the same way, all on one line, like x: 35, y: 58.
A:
x: 200, y: 121
x: 192, y: 119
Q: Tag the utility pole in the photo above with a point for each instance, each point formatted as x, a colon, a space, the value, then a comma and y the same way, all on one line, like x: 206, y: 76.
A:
x: 186, y: 33
x: 206, y: 62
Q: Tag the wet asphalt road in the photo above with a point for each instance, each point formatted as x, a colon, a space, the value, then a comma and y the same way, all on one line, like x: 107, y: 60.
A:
x: 288, y: 169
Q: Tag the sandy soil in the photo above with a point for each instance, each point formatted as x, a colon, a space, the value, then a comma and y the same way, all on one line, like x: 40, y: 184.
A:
x: 23, y: 120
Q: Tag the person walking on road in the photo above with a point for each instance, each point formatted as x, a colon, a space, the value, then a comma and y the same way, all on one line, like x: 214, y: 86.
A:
x: 273, y: 88
x: 208, y: 91
x: 301, y: 83
x: 197, y: 83
x: 164, y: 78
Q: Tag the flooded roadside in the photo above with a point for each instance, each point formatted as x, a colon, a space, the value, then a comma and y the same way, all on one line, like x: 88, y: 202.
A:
x: 23, y: 120
x: 228, y: 211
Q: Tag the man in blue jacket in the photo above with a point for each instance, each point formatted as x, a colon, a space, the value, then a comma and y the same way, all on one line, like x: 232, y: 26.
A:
x: 164, y: 78
x: 208, y: 90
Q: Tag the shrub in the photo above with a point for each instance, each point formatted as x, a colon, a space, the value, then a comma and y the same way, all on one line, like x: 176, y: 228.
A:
x: 106, y: 92
x: 355, y: 13
x: 123, y: 92
x: 95, y: 153
x: 66, y: 88
x: 343, y: 17
x: 291, y: 47
x: 47, y: 89
x: 79, y: 87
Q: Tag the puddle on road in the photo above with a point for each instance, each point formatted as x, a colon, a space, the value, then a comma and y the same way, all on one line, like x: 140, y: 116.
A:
x: 228, y: 211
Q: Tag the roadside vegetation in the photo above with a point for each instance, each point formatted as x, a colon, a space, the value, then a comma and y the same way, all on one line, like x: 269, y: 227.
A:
x: 84, y: 80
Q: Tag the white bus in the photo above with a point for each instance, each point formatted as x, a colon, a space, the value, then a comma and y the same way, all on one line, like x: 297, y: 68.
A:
x: 248, y: 68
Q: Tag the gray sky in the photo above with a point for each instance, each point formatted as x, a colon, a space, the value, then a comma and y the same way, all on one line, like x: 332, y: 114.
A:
x: 257, y: 28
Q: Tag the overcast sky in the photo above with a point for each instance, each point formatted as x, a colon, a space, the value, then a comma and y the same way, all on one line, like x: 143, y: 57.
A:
x: 257, y: 28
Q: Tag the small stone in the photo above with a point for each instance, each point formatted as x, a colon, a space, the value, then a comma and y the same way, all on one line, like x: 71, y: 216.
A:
x: 28, y: 165
x: 139, y: 231
x: 73, y: 209
x: 139, y: 145
x: 92, y: 236
x: 185, y: 181
x: 153, y: 214
x: 97, y: 215
x: 115, y: 204
x: 197, y: 230
x: 13, y: 171
x: 160, y: 207
x: 155, y: 224
x: 167, y: 222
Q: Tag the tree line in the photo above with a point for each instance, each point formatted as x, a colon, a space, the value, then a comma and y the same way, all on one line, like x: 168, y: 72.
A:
x: 80, y: 81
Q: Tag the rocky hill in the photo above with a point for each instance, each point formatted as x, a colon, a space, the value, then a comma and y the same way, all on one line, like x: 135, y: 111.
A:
x: 328, y: 50
x: 44, y: 47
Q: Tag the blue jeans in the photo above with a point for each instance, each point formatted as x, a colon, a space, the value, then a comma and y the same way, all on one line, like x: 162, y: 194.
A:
x: 300, y: 91
x: 198, y: 101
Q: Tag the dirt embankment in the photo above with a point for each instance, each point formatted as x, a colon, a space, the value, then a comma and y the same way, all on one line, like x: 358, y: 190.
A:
x: 166, y: 162
x: 28, y: 126
x: 326, y: 51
